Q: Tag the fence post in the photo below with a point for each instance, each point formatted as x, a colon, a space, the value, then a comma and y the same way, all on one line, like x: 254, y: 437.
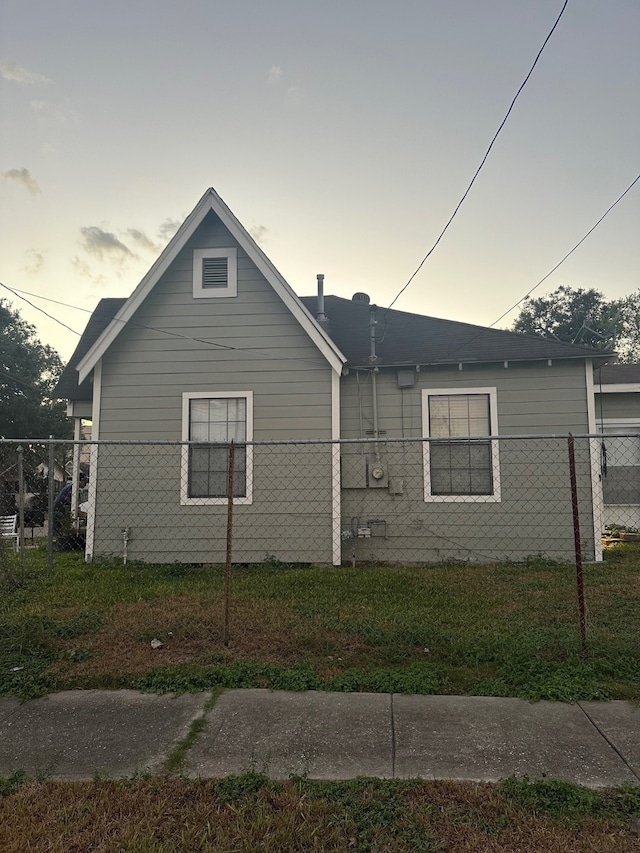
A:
x: 20, y: 452
x: 227, y: 565
x: 576, y: 539
x: 50, y: 495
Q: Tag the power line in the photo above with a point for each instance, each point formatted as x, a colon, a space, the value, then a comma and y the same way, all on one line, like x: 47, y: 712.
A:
x: 483, y: 161
x: 6, y: 375
x: 569, y: 253
x: 19, y: 291
x: 545, y: 277
x: 42, y: 311
x: 135, y: 325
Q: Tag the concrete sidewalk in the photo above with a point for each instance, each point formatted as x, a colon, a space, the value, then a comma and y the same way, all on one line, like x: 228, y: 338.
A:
x: 80, y: 734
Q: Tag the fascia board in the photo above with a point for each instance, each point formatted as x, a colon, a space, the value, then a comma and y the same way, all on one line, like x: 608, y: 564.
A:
x: 324, y: 343
x: 210, y: 201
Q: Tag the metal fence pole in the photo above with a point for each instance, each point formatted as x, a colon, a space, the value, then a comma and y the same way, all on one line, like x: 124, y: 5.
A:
x: 227, y: 565
x: 50, y: 496
x: 576, y: 539
x: 20, y: 452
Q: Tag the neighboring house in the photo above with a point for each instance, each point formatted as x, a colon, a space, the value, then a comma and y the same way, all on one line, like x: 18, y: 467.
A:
x: 617, y: 391
x: 214, y: 345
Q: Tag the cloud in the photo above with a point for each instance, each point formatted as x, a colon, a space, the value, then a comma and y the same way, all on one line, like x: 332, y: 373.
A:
x: 168, y: 228
x: 35, y: 261
x: 19, y: 74
x: 258, y: 232
x: 103, y: 243
x: 22, y: 176
x: 293, y: 96
x: 275, y: 75
x: 83, y: 269
x: 61, y: 113
x: 141, y: 239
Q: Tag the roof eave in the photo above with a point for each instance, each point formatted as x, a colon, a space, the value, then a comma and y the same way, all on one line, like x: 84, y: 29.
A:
x: 603, y: 358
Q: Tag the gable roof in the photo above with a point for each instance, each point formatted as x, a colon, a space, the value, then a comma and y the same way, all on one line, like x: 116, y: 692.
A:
x: 210, y: 201
x: 406, y: 339
x: 68, y: 387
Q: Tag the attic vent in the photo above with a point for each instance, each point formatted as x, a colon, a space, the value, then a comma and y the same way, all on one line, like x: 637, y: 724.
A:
x: 361, y: 297
x: 214, y: 272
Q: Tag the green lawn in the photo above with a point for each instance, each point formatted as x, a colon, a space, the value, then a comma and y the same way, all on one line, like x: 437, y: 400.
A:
x: 504, y: 629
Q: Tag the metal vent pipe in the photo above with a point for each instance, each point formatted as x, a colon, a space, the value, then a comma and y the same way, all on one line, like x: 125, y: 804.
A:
x: 320, y: 316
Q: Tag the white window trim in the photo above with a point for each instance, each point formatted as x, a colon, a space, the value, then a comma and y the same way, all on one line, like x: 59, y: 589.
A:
x: 496, y: 497
x: 200, y: 292
x: 185, y: 500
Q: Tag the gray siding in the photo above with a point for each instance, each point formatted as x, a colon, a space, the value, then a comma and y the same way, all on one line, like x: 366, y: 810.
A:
x: 148, y: 368
x: 246, y: 343
x: 534, y: 514
x: 532, y: 398
x: 611, y: 406
x: 290, y: 517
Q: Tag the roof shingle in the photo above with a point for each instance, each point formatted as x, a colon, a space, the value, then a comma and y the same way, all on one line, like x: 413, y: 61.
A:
x: 67, y: 387
x: 404, y: 339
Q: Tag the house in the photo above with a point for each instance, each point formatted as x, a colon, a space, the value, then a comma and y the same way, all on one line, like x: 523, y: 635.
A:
x: 214, y: 345
x: 617, y: 394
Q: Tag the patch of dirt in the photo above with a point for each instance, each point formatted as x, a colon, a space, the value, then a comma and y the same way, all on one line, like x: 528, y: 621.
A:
x: 191, y: 632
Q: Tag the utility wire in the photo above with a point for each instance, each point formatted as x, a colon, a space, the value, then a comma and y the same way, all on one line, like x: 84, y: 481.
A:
x: 545, y: 277
x: 42, y: 311
x: 18, y: 293
x: 135, y: 325
x: 6, y: 375
x: 483, y: 161
x: 569, y: 253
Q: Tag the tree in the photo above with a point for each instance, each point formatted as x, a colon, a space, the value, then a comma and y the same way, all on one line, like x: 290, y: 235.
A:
x: 29, y: 371
x: 585, y: 317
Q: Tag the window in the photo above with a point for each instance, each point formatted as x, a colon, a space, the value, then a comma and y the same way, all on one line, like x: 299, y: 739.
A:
x: 460, y: 470
x: 621, y: 453
x: 215, y: 273
x: 213, y: 420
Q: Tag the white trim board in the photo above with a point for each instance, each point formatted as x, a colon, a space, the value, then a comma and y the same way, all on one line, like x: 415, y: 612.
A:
x: 623, y: 421
x: 618, y: 388
x: 211, y: 201
x: 336, y: 492
x: 93, y: 463
x: 597, y: 498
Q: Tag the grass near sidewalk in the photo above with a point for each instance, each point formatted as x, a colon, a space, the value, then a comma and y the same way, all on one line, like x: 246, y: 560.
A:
x: 505, y: 629
x: 169, y: 815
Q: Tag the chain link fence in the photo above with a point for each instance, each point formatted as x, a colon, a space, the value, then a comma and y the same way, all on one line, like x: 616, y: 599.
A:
x: 443, y: 554
x: 409, y: 501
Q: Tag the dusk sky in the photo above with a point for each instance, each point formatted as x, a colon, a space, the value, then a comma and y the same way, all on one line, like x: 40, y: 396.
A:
x: 342, y: 134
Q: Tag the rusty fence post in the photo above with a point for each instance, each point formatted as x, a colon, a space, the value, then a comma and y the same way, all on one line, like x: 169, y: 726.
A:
x: 227, y: 565
x: 577, y: 543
